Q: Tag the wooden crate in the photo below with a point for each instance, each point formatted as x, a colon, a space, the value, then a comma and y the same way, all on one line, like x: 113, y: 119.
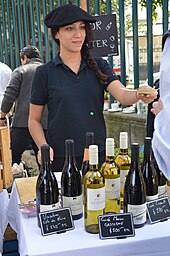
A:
x: 6, y: 176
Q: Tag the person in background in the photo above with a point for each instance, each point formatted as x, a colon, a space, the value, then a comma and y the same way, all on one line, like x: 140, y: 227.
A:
x: 73, y: 85
x: 151, y: 115
x: 161, y: 136
x: 5, y: 74
x: 18, y: 93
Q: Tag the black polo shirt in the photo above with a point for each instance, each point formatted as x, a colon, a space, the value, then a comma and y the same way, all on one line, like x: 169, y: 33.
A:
x: 75, y: 103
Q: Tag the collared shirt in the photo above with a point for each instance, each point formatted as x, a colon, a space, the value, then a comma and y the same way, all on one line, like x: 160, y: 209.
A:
x: 75, y: 102
x: 5, y: 74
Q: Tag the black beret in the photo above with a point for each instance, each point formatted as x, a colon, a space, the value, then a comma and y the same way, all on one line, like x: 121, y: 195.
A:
x: 65, y: 15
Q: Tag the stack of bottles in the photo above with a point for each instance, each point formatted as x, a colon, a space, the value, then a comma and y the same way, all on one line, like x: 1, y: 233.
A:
x: 123, y: 183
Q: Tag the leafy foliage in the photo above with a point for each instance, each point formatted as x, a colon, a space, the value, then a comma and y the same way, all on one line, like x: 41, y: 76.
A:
x: 155, y: 5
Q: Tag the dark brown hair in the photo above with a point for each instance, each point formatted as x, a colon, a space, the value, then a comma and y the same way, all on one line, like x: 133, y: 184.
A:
x: 86, y: 52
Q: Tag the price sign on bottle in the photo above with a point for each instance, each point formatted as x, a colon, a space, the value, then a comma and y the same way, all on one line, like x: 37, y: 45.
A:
x: 116, y: 225
x: 57, y: 221
x: 158, y: 210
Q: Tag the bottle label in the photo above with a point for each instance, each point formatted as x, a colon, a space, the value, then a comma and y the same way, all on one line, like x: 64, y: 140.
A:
x: 162, y: 191
x: 44, y: 208
x: 150, y: 198
x: 95, y: 199
x: 112, y: 188
x: 138, y: 212
x: 123, y: 175
x: 75, y: 203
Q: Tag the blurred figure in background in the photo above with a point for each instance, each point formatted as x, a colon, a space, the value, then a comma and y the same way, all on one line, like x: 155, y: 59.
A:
x: 5, y: 74
x: 151, y: 115
x: 18, y: 93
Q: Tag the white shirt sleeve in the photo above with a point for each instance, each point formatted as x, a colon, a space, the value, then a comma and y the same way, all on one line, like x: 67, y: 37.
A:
x: 161, y: 136
x: 5, y: 74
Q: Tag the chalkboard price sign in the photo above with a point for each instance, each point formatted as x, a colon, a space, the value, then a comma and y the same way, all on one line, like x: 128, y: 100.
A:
x: 57, y: 221
x: 116, y: 225
x: 158, y: 210
x: 105, y: 41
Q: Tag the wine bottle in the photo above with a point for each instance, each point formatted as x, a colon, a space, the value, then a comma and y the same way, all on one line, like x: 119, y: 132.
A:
x: 135, y: 190
x: 123, y: 160
x: 149, y: 172
x: 89, y: 141
x: 162, y: 182
x: 47, y: 194
x: 111, y: 173
x: 71, y: 188
x: 94, y: 193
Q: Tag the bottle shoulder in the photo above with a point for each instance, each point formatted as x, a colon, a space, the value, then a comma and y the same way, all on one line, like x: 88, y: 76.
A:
x: 110, y: 169
x: 94, y: 177
x: 123, y: 159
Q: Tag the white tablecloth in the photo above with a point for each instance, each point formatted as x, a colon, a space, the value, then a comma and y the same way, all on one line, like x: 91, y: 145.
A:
x: 4, y: 200
x: 150, y: 240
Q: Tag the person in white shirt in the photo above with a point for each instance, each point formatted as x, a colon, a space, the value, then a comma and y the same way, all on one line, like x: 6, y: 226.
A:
x: 5, y: 74
x: 161, y: 108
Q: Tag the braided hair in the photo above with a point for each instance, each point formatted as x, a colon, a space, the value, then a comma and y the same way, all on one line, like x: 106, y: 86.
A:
x: 86, y: 52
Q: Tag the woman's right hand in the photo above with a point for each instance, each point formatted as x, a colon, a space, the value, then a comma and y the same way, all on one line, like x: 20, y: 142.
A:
x: 51, y: 155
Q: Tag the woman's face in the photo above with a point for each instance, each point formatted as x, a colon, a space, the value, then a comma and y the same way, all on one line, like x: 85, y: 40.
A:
x: 72, y: 37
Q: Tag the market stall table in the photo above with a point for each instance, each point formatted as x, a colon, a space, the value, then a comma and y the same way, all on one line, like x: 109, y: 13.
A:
x: 4, y: 200
x: 151, y: 240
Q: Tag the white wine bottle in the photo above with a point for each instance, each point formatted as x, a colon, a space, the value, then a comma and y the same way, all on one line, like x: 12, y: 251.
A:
x: 135, y: 190
x: 94, y: 193
x: 123, y: 160
x: 149, y: 172
x: 71, y: 188
x: 111, y: 173
x: 47, y: 194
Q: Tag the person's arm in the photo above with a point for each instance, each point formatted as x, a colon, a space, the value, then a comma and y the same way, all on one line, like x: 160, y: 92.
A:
x: 36, y: 129
x: 115, y: 88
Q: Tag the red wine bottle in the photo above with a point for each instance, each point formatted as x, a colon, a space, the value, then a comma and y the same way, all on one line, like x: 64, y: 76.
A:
x: 85, y: 164
x: 149, y: 172
x: 135, y: 190
x: 71, y: 187
x: 162, y: 182
x: 47, y: 194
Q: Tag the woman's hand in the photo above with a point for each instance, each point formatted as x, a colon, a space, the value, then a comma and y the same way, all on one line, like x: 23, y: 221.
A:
x: 146, y: 98
x: 157, y: 106
x: 51, y: 155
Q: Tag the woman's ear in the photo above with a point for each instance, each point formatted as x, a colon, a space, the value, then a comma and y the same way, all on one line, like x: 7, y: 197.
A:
x: 24, y: 60
x: 56, y: 35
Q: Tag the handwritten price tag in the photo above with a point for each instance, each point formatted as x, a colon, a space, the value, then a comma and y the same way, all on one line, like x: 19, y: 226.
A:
x: 116, y: 226
x: 158, y: 210
x: 56, y: 221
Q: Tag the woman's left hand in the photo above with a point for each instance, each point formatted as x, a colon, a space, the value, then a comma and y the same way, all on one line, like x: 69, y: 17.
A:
x: 157, y: 106
x: 146, y: 98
